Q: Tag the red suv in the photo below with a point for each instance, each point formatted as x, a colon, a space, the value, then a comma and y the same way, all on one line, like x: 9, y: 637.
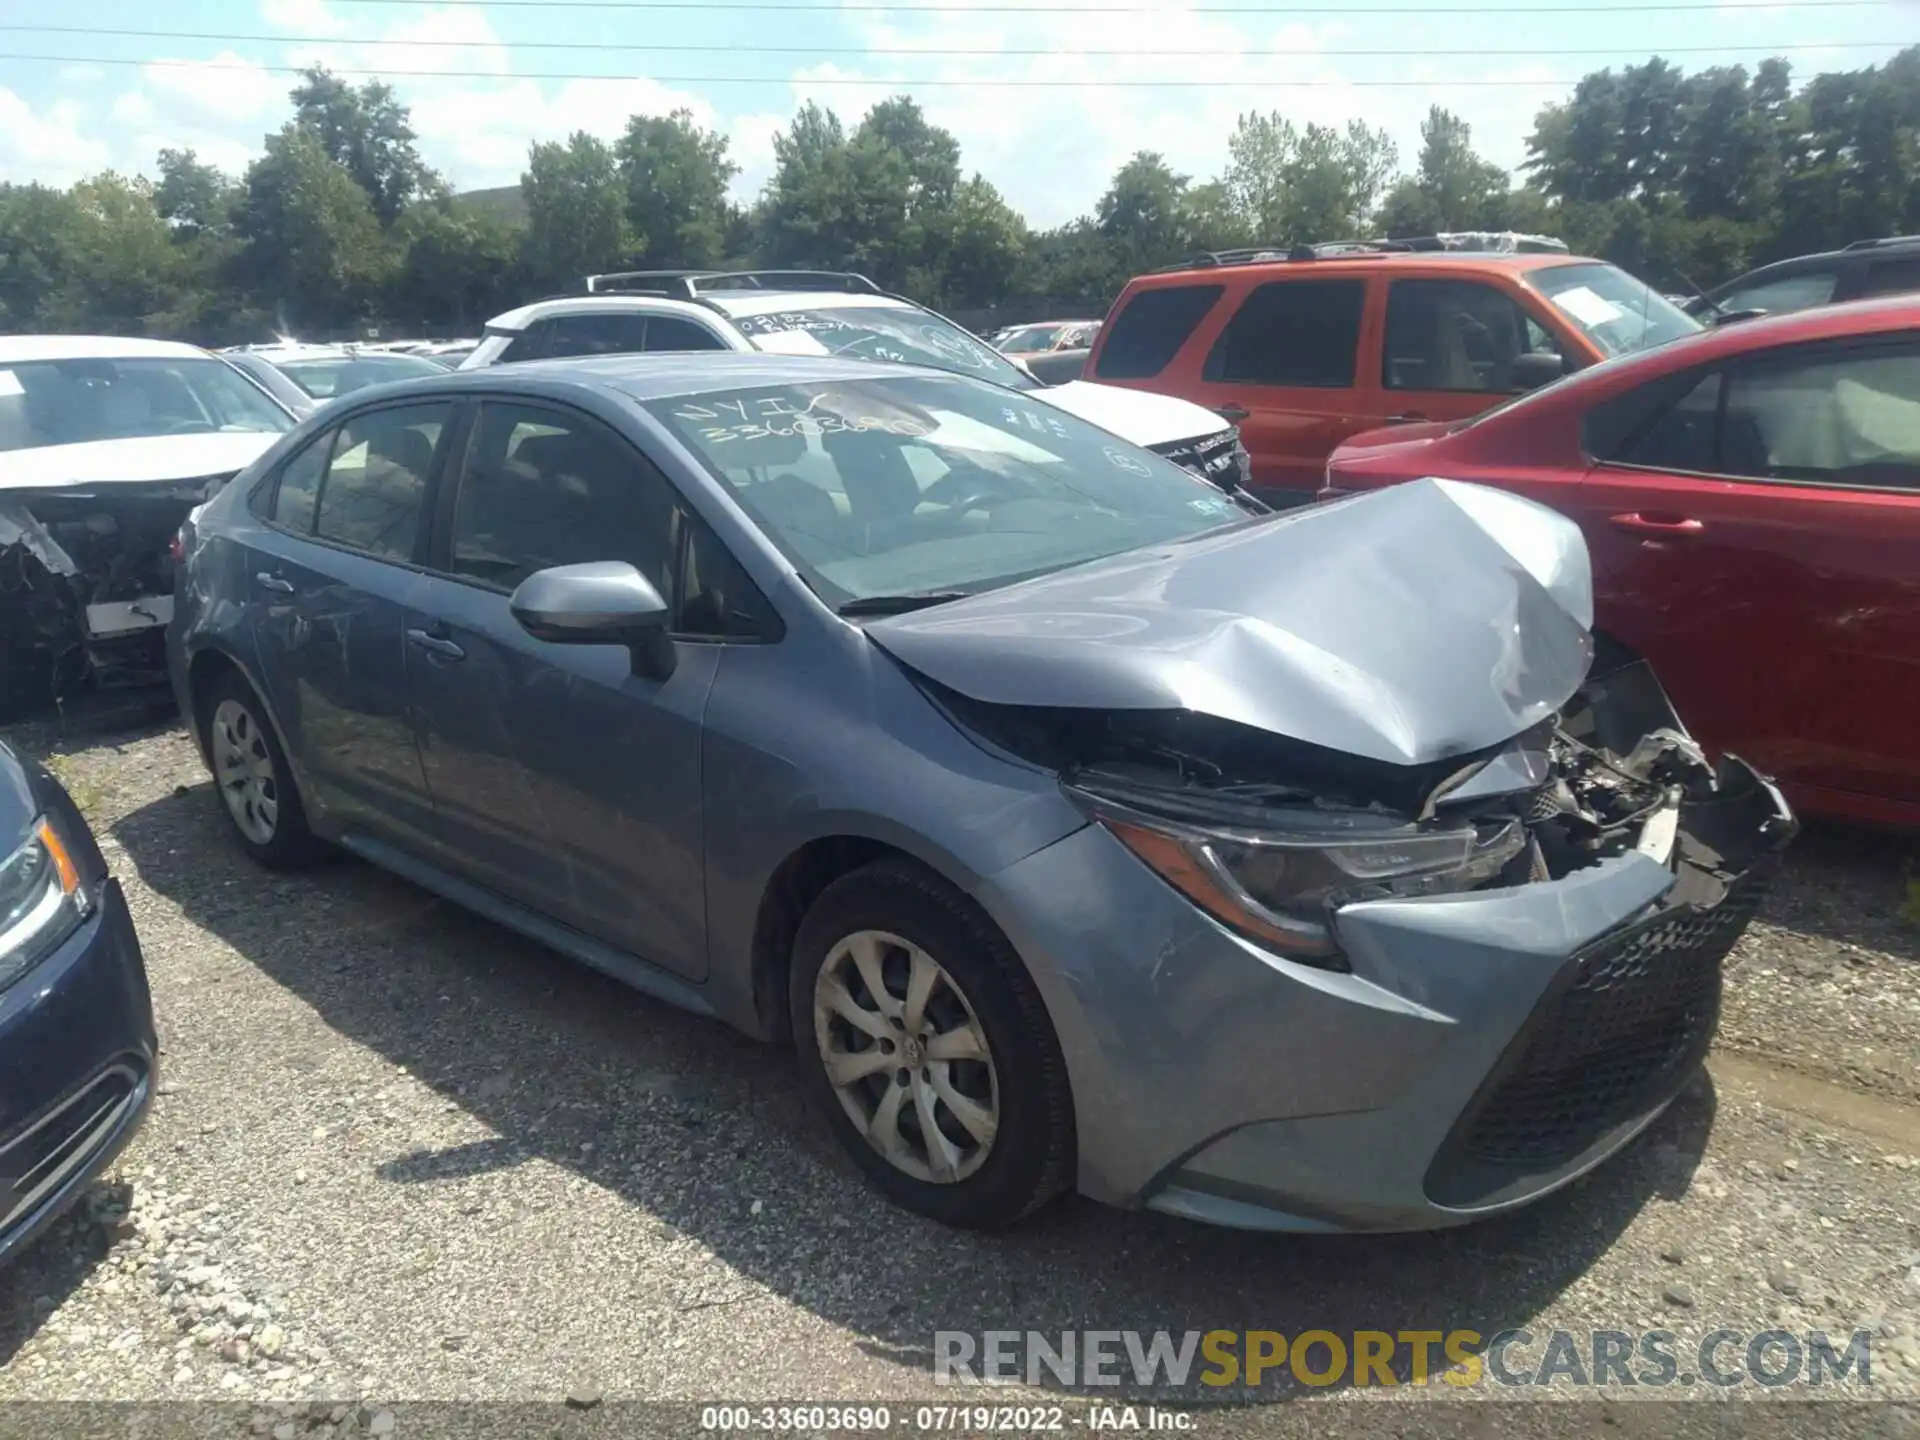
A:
x: 1751, y: 502
x: 1305, y: 348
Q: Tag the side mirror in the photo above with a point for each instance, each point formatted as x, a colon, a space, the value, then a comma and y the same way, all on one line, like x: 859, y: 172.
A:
x: 1536, y: 368
x: 607, y: 602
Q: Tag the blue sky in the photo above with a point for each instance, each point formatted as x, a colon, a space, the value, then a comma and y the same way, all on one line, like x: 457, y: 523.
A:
x: 1049, y: 147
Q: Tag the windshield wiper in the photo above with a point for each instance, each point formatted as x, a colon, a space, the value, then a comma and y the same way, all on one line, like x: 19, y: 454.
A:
x: 899, y: 604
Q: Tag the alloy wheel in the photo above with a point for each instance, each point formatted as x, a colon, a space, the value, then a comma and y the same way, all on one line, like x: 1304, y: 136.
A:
x: 907, y: 1056
x: 243, y: 769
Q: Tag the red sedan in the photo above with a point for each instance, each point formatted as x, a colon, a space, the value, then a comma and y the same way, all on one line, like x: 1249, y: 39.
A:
x: 1751, y: 500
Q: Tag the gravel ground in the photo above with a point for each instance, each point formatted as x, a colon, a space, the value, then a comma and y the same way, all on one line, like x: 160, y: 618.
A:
x: 401, y: 1155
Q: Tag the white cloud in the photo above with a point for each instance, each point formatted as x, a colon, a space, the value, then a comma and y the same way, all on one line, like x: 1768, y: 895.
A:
x: 46, y: 146
x: 303, y: 17
x: 231, y: 87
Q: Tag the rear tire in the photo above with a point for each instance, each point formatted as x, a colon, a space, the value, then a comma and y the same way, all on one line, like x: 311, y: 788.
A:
x: 948, y: 1088
x: 252, y: 781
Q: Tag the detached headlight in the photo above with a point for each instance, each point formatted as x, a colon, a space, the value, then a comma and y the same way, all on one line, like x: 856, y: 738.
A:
x: 1279, y: 880
x: 41, y: 902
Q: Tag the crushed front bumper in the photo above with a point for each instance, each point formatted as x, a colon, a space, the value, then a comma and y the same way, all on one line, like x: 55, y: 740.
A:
x: 1484, y: 1049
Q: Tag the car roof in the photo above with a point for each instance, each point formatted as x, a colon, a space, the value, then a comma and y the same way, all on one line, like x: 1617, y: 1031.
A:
x: 729, y: 303
x: 661, y: 375
x: 1398, y: 261
x: 19, y: 349
x: 597, y: 304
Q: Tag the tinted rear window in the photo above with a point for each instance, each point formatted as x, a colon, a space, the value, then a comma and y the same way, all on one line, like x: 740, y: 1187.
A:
x: 1891, y: 277
x: 1151, y: 329
x: 1292, y: 332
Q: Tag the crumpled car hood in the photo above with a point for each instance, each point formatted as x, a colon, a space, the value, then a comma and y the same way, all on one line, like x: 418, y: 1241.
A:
x: 1406, y: 625
x: 144, y: 458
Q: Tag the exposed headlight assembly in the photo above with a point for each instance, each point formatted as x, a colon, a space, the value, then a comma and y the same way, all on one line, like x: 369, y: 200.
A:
x: 41, y: 900
x: 1278, y: 875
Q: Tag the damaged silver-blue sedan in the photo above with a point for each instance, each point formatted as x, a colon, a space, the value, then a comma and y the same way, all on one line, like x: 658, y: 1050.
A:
x: 1076, y: 822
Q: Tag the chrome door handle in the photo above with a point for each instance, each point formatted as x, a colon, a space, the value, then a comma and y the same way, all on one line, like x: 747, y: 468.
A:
x: 435, y: 645
x: 273, y: 583
x: 1657, y: 526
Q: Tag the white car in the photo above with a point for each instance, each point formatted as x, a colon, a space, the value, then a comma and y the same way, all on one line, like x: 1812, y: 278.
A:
x: 105, y: 445
x: 805, y: 312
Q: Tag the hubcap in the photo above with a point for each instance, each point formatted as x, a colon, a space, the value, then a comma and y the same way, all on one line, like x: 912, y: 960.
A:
x: 244, y: 771
x: 907, y: 1056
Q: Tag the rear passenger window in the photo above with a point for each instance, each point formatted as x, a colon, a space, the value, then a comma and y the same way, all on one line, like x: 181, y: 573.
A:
x: 370, y: 498
x: 529, y: 344
x: 292, y: 499
x: 1292, y: 332
x: 670, y: 332
x: 1152, y: 327
x: 1891, y: 277
x: 597, y: 335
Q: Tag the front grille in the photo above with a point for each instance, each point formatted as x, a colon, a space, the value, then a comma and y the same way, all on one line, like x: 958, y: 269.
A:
x: 34, y: 1165
x: 1623, y: 1026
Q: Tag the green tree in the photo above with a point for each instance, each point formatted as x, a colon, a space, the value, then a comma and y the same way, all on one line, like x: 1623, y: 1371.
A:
x: 1214, y: 221
x: 457, y: 268
x: 125, y: 276
x: 903, y: 174
x: 1334, y: 181
x: 313, y: 247
x: 1298, y: 186
x: 675, y: 176
x: 1258, y: 154
x: 806, y: 211
x: 38, y: 247
x: 576, y: 212
x: 195, y: 199
x: 370, y: 133
x: 1451, y: 188
x: 1143, y: 216
x: 981, y: 240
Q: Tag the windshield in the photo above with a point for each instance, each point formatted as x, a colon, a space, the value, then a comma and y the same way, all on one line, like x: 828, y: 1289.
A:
x: 1611, y: 308
x: 330, y: 377
x: 71, y: 402
x: 900, y: 333
x: 927, y: 485
x: 1030, y: 341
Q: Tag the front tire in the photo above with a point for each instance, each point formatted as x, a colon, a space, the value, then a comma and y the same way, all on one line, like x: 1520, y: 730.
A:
x: 924, y: 1042
x: 252, y: 779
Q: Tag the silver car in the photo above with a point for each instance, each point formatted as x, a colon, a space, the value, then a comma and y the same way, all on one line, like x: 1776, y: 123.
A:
x: 1077, y: 827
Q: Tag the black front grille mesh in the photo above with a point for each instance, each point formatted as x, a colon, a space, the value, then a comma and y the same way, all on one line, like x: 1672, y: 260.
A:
x: 1609, y: 1043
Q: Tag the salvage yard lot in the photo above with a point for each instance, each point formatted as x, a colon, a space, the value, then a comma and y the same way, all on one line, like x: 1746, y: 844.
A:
x: 401, y: 1153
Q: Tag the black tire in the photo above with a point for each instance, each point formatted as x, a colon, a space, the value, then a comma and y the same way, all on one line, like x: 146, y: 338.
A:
x: 292, y: 844
x: 1032, y: 1156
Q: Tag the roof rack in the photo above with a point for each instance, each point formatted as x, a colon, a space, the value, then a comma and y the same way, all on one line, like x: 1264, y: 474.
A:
x: 1887, y: 240
x: 687, y: 284
x: 1486, y: 242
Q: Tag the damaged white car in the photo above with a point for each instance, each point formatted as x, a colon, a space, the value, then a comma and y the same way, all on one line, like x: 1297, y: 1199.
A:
x: 105, y: 445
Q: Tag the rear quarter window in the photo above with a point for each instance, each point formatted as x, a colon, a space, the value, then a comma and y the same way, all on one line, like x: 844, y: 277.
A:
x: 1152, y: 327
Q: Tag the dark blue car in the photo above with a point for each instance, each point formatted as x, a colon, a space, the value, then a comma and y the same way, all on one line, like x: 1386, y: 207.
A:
x: 77, y: 1046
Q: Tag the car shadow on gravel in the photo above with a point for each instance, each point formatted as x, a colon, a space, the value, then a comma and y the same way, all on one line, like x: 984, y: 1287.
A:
x: 705, y: 1131
x: 1853, y: 885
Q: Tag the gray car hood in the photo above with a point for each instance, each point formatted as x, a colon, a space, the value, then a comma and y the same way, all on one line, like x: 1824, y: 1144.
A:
x: 1406, y: 625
